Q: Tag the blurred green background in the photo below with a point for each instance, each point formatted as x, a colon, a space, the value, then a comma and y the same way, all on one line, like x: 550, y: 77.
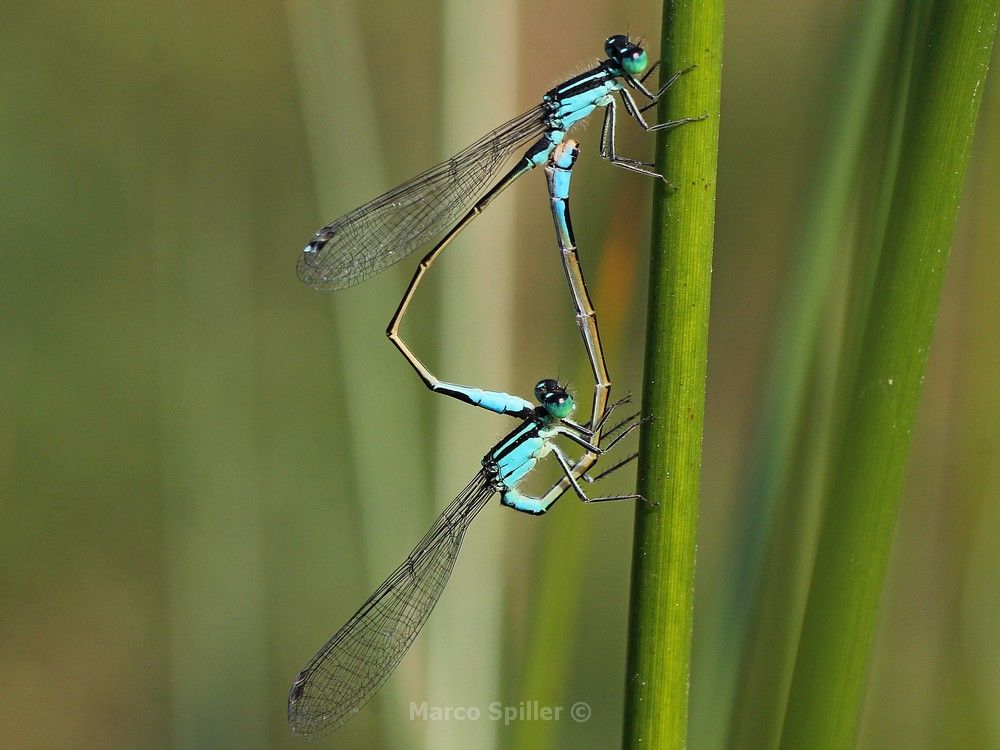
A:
x: 205, y: 466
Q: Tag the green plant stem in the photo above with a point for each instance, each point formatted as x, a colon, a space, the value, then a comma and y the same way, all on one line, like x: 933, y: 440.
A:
x: 864, y: 491
x: 660, y: 617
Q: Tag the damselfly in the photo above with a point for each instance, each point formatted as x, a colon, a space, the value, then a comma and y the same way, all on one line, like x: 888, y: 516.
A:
x: 376, y: 235
x: 359, y: 658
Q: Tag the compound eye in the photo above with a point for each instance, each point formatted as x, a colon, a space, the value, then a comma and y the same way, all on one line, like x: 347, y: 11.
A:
x: 635, y: 62
x: 545, y: 387
x: 614, y: 44
x: 558, y: 403
x: 555, y: 395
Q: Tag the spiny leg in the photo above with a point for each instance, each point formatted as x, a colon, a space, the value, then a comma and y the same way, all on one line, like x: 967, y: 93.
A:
x: 572, y: 472
x: 608, y: 150
x: 568, y: 470
x: 633, y: 109
x: 610, y: 498
x: 638, y: 84
x: 635, y: 424
x: 648, y: 73
x: 625, y: 427
x: 608, y: 147
x: 630, y: 422
x: 611, y: 408
x: 613, y: 498
x: 625, y: 461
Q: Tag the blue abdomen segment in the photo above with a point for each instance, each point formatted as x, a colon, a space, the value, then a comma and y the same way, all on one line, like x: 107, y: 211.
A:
x: 565, y: 234
x: 560, y: 179
x: 495, y: 401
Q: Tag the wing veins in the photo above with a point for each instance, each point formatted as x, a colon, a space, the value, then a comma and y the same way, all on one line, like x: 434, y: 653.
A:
x: 383, y: 231
x: 359, y: 658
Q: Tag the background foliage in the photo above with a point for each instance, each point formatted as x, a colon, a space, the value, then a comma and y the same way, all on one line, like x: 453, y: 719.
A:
x: 204, y: 466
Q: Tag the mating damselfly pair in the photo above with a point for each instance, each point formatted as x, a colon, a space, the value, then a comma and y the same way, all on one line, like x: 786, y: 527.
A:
x: 359, y: 658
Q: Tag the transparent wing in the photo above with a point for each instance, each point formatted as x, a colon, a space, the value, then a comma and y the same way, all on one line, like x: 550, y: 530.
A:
x: 371, y: 238
x: 359, y: 658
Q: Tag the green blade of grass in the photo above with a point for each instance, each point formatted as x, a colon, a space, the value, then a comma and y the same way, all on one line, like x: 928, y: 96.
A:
x: 661, y: 610
x: 863, y: 494
x: 973, y: 475
x: 871, y: 241
x: 782, y: 505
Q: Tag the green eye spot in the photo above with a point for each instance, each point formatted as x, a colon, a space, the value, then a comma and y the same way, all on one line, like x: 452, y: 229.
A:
x: 635, y: 65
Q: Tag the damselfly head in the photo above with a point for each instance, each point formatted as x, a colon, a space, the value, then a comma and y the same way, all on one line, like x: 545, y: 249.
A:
x: 554, y: 398
x: 629, y: 55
